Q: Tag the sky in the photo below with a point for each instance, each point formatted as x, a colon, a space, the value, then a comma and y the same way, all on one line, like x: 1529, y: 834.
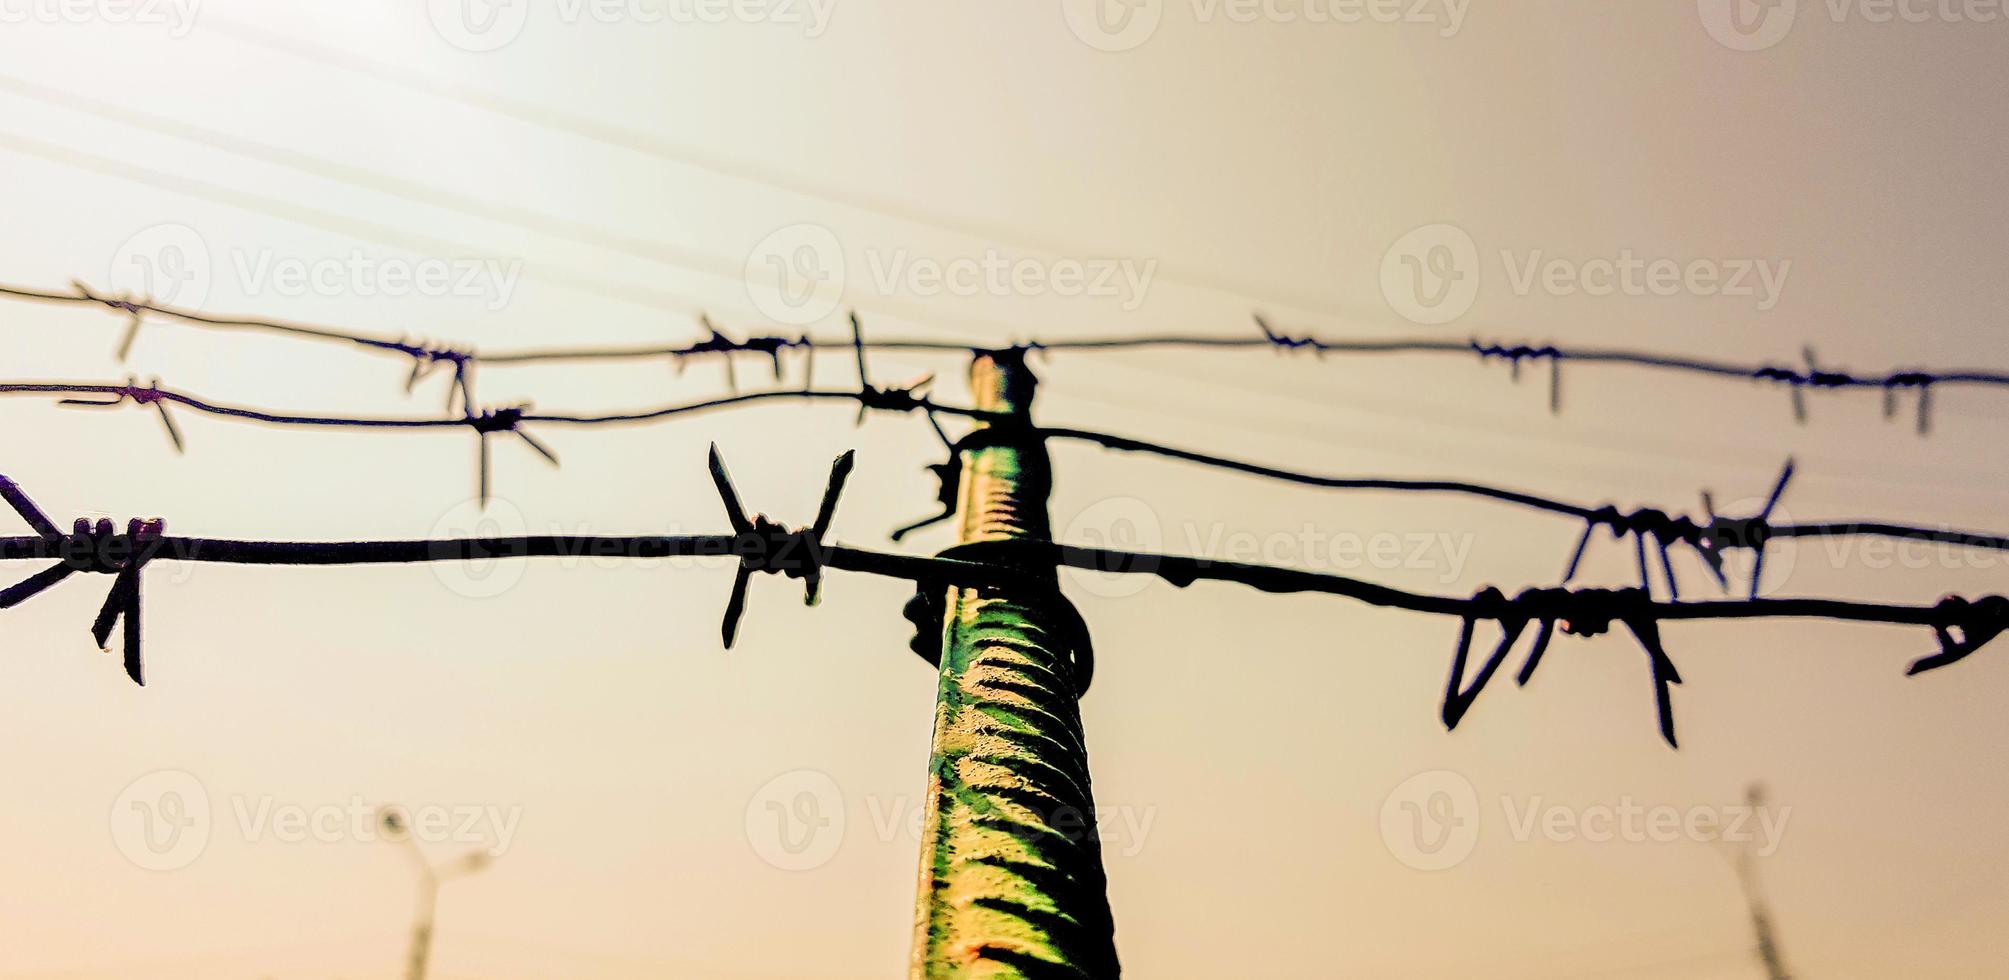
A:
x: 1279, y: 797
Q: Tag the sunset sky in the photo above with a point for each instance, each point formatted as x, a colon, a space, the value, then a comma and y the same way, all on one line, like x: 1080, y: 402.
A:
x: 602, y: 173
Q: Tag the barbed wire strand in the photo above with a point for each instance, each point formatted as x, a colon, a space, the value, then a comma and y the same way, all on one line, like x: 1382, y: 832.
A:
x: 759, y: 544
x: 1812, y: 375
x: 1711, y: 538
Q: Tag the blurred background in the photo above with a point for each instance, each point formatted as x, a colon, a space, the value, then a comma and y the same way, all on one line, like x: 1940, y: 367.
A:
x: 594, y: 173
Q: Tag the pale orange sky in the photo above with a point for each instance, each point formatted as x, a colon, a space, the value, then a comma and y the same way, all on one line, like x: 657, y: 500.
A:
x: 1244, y: 744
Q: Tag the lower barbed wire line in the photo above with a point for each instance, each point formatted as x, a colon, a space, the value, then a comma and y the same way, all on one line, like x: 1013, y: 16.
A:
x: 153, y: 394
x: 1602, y: 516
x: 416, y: 551
x: 1184, y: 570
x: 1965, y: 539
x: 760, y: 545
x: 1622, y: 524
x: 1130, y: 444
x: 669, y: 411
x: 1180, y: 570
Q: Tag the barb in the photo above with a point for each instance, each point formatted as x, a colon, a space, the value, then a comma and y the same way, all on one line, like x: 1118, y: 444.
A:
x: 427, y: 357
x: 92, y: 547
x: 903, y: 398
x: 131, y: 391
x: 1517, y: 353
x: 508, y: 420
x: 765, y: 546
x: 948, y: 476
x: 1978, y: 623
x: 135, y: 312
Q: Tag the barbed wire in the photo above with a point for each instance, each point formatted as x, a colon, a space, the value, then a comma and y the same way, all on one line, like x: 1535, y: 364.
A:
x: 1812, y: 374
x: 759, y: 544
x: 1712, y: 537
x: 1961, y: 626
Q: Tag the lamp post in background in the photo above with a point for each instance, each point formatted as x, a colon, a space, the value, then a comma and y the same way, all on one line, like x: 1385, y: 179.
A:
x: 1743, y: 861
x: 1761, y: 915
x: 430, y: 877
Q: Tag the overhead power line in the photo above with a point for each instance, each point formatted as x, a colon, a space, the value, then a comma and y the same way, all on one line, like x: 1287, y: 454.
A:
x: 738, y: 170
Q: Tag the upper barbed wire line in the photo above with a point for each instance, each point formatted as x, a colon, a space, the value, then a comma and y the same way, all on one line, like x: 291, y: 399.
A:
x: 84, y: 295
x: 744, y: 171
x: 1812, y: 376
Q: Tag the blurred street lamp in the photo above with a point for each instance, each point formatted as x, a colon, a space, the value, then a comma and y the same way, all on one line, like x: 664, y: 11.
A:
x: 430, y: 876
x: 1744, y: 863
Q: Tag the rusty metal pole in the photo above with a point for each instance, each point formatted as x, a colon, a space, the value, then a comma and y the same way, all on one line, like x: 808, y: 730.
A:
x: 1012, y: 883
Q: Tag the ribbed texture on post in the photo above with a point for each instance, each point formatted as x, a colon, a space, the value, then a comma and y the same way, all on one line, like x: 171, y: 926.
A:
x: 1011, y: 868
